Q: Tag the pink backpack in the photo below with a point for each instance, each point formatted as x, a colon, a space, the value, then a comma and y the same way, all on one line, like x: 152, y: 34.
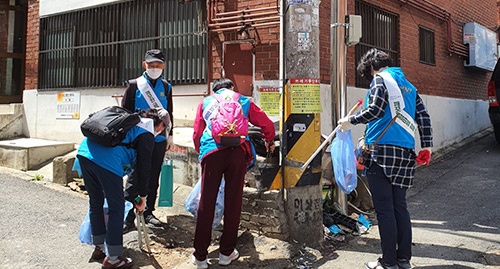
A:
x: 229, y: 125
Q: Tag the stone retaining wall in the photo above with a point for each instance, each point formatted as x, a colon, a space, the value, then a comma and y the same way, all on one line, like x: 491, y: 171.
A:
x: 264, y: 212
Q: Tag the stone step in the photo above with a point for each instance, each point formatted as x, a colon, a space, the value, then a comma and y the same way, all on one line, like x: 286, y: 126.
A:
x: 29, y: 153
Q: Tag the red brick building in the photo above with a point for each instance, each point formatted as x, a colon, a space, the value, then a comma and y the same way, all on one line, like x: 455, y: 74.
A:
x: 445, y: 76
x: 97, y: 45
x: 445, y: 19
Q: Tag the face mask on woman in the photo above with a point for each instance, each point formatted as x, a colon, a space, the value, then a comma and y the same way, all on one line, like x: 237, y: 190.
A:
x: 154, y: 73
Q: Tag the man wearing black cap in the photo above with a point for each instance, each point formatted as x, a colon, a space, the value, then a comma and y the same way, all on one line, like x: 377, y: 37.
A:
x: 150, y: 90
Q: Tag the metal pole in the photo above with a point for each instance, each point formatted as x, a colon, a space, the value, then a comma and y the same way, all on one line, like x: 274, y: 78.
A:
x: 282, y: 67
x: 338, y: 75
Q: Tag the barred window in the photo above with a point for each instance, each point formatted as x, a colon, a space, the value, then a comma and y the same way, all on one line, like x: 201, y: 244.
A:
x: 104, y: 46
x: 380, y: 31
x: 426, y: 45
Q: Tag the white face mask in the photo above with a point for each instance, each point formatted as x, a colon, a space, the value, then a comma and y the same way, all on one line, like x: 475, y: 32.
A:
x: 154, y: 73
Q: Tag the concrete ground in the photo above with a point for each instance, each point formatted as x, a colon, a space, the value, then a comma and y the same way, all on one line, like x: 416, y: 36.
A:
x: 454, y: 208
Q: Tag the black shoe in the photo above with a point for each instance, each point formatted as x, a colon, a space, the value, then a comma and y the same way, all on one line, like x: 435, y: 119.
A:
x: 404, y: 264
x: 98, y: 255
x: 151, y: 219
x: 128, y: 227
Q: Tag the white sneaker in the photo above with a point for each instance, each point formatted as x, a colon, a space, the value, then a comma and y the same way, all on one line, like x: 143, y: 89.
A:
x: 199, y: 264
x: 226, y: 260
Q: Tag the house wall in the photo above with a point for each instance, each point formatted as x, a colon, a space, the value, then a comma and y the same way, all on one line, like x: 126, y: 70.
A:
x: 41, y: 115
x: 455, y: 96
x: 266, y: 42
x: 48, y: 7
x: 448, y: 77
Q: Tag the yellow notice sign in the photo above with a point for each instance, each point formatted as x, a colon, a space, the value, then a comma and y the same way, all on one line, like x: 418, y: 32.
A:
x: 68, y: 105
x: 304, y: 96
x: 270, y: 100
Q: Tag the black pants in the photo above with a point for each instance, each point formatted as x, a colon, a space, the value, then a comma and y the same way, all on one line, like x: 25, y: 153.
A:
x: 392, y: 214
x: 154, y: 181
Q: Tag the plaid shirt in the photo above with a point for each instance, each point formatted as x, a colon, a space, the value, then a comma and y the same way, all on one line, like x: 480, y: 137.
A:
x: 398, y: 162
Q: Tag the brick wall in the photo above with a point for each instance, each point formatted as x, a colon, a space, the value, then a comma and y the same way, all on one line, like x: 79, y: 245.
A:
x: 324, y: 41
x: 447, y: 77
x: 32, y: 33
x: 266, y: 42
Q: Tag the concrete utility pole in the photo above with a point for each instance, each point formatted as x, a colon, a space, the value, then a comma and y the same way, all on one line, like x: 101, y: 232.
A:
x: 302, y: 133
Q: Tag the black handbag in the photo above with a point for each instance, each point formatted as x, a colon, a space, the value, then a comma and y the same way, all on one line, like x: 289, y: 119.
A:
x: 363, y: 151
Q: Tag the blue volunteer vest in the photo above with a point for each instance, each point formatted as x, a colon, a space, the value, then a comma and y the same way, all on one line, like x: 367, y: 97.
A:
x: 160, y: 92
x: 395, y: 135
x: 118, y: 160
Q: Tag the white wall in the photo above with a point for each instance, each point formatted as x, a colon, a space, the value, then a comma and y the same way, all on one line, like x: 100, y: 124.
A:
x: 452, y: 119
x: 49, y: 7
x: 40, y: 110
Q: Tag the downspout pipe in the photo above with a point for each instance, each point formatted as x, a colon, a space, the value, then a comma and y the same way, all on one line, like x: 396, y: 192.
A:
x: 282, y: 83
x: 338, y: 75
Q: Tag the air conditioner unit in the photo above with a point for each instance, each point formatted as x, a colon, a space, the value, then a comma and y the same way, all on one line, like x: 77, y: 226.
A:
x: 482, y: 46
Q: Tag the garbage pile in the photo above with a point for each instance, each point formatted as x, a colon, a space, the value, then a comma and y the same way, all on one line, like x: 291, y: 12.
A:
x: 337, y: 224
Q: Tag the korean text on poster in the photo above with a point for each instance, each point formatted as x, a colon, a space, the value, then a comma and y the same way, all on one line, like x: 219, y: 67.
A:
x: 68, y: 105
x: 270, y: 100
x: 305, y: 96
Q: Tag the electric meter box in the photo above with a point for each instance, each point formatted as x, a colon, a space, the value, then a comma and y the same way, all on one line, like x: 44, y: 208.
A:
x: 482, y: 46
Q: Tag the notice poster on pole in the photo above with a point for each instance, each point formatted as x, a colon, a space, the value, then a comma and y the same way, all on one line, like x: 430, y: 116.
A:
x: 68, y: 105
x: 270, y: 100
x: 305, y: 96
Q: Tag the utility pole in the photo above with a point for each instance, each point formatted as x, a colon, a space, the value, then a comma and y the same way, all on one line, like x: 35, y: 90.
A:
x: 301, y: 121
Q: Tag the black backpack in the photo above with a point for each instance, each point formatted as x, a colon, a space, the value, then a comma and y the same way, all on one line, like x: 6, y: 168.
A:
x: 110, y: 125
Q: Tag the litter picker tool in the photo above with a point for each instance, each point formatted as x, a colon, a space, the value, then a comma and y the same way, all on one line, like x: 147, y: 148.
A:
x: 141, y: 229
x: 329, y: 138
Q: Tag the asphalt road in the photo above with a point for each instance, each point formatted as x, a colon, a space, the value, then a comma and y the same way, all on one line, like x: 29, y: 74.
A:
x: 455, y: 213
x: 40, y: 224
x: 454, y: 207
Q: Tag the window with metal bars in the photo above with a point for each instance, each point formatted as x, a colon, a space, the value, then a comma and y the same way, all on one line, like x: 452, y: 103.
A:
x: 380, y: 31
x: 104, y: 46
x: 426, y: 45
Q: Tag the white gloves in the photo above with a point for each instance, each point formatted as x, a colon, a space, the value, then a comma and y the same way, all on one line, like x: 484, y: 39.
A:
x: 170, y: 142
x: 345, y: 124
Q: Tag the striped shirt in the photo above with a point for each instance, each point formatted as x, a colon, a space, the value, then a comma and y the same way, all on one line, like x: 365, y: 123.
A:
x: 398, y: 162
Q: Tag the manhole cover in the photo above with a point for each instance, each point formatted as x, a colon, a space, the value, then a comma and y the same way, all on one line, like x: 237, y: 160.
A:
x: 492, y: 257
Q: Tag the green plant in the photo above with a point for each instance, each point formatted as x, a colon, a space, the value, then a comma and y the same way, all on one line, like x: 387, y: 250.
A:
x: 37, y: 177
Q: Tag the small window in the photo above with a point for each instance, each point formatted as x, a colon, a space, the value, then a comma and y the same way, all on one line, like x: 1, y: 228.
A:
x: 426, y: 45
x: 380, y: 30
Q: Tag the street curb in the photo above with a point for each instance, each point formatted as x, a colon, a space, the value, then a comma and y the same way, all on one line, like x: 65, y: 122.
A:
x: 443, y: 152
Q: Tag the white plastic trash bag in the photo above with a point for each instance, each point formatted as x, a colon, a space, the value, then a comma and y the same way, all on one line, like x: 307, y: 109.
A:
x: 193, y: 200
x: 85, y: 234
